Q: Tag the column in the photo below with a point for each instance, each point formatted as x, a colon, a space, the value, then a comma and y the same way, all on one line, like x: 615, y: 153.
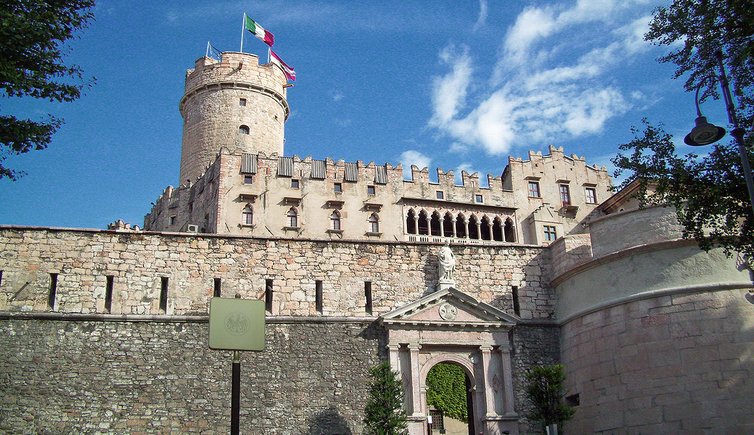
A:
x: 413, y: 349
x: 479, y: 229
x: 454, y: 227
x: 395, y: 362
x: 489, y: 400
x: 505, y: 357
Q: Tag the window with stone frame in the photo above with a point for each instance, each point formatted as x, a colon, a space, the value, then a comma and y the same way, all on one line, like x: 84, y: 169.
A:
x: 591, y: 195
x: 374, y: 223
x: 371, y: 190
x: 247, y: 215
x: 565, y: 194
x: 292, y: 218
x: 338, y: 188
x: 534, y: 189
x: 335, y: 221
x: 550, y: 233
x: 440, y: 194
x: 294, y: 183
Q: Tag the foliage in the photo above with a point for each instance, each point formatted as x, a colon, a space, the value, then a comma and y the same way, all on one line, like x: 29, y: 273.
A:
x: 384, y: 414
x: 446, y: 390
x: 708, y: 192
x: 545, y: 391
x: 31, y: 36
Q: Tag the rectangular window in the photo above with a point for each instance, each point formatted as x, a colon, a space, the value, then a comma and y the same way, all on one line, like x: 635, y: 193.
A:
x: 242, y: 102
x: 516, y: 306
x: 294, y: 184
x: 109, y: 293
x: 565, y: 194
x: 371, y: 191
x: 218, y: 287
x: 440, y: 194
x: 164, y: 294
x: 479, y: 199
x: 318, y: 295
x: 550, y: 233
x: 534, y: 189
x: 248, y: 179
x: 1, y: 277
x: 338, y: 188
x: 368, y: 296
x: 591, y: 195
x: 52, y: 293
x: 268, y: 295
x: 172, y: 220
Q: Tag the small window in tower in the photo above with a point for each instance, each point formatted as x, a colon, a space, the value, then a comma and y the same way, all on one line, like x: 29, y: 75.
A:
x: 591, y: 195
x: 440, y: 194
x: 268, y: 295
x: 109, y: 293
x: 248, y: 179
x: 242, y: 102
x: 371, y: 191
x: 479, y: 199
x: 318, y: 295
x: 338, y: 188
x: 294, y: 184
x: 244, y: 129
x: 218, y: 287
x: 368, y: 297
x: 534, y: 189
x: 172, y: 220
x: 52, y: 291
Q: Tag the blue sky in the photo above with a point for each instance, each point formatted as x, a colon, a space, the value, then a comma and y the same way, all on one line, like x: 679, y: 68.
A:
x: 449, y: 83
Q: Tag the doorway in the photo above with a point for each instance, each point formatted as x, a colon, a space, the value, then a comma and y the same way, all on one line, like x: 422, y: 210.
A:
x: 450, y: 399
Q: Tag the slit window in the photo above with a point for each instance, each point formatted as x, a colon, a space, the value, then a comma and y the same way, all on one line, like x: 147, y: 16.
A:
x: 1, y: 277
x: 109, y: 293
x: 516, y: 306
x: 164, y: 294
x: 318, y: 295
x: 52, y: 293
x: 218, y: 287
x: 268, y: 295
x: 368, y: 297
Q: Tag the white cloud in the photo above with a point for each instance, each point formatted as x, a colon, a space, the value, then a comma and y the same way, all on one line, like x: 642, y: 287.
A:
x: 449, y: 91
x: 482, y: 19
x: 337, y: 95
x: 413, y: 157
x: 551, y: 90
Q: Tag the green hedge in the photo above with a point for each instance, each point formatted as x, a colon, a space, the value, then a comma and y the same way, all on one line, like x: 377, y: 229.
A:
x: 446, y: 390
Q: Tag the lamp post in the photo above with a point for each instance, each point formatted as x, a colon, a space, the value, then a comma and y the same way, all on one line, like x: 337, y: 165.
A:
x: 705, y: 133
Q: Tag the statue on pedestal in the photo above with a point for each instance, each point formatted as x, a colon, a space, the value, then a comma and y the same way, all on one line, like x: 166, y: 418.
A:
x: 446, y: 266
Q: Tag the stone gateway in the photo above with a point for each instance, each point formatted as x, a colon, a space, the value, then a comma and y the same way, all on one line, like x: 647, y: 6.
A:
x: 106, y: 331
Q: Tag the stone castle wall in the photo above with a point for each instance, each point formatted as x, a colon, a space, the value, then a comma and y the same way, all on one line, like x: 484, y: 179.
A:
x: 140, y: 262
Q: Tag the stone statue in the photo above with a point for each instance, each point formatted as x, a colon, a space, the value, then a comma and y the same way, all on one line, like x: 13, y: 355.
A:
x: 447, y: 263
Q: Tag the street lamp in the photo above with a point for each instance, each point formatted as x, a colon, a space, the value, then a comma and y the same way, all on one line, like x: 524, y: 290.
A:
x: 705, y: 133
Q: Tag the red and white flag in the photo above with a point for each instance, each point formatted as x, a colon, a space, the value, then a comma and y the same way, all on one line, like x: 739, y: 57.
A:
x: 290, y: 73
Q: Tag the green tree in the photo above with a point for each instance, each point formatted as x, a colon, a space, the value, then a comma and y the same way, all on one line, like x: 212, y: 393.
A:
x: 446, y: 390
x: 545, y: 391
x: 708, y: 192
x: 384, y: 414
x: 32, y: 34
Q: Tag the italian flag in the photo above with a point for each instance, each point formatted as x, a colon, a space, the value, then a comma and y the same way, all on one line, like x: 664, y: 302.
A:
x: 290, y: 73
x: 258, y: 31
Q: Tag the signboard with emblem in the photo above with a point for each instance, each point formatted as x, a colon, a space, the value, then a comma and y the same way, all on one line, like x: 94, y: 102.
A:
x: 236, y: 324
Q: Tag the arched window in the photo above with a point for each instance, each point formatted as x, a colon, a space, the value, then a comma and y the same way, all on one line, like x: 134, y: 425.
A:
x: 335, y: 220
x: 461, y: 226
x: 509, y: 231
x: 485, y: 229
x: 423, y: 223
x: 244, y: 129
x: 411, y: 222
x: 292, y: 218
x: 447, y: 225
x: 434, y: 224
x: 497, y: 229
x: 473, y: 228
x: 374, y: 223
x: 247, y: 215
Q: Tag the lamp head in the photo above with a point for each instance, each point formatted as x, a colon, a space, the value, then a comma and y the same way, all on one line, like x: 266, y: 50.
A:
x: 704, y: 133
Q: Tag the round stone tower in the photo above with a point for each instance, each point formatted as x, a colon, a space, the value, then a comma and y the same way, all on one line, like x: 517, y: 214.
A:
x: 235, y: 103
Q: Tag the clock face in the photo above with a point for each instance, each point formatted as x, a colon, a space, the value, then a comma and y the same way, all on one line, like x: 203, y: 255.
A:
x: 448, y: 312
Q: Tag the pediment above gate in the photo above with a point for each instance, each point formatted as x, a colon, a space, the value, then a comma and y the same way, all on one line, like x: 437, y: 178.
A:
x: 448, y: 308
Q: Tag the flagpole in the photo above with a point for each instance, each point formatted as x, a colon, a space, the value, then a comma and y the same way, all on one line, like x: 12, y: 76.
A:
x: 206, y: 54
x: 243, y: 28
x: 268, y: 54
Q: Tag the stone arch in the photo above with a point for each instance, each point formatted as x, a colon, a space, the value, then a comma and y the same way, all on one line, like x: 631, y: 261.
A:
x: 447, y: 225
x: 461, y: 231
x: 497, y: 229
x: 292, y: 218
x: 473, y: 227
x: 509, y: 231
x: 462, y: 361
x: 335, y: 220
x: 435, y: 224
x: 422, y: 223
x: 411, y: 221
x: 247, y: 215
x: 485, y: 228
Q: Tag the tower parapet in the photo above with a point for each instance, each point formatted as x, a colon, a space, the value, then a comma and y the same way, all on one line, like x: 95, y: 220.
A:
x: 234, y: 103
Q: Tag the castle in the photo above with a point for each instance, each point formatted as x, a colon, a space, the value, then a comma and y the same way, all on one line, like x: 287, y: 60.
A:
x: 106, y: 330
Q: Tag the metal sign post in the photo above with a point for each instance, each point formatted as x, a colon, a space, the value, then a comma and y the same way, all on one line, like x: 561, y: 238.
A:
x: 236, y: 324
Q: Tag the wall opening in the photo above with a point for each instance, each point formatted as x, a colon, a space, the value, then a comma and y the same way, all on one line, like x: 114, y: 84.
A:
x: 318, y: 295
x: 368, y: 297
x: 53, y: 290
x: 110, y: 282
x: 218, y: 287
x: 516, y: 306
x: 164, y: 294
x: 449, y: 398
x: 268, y: 295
